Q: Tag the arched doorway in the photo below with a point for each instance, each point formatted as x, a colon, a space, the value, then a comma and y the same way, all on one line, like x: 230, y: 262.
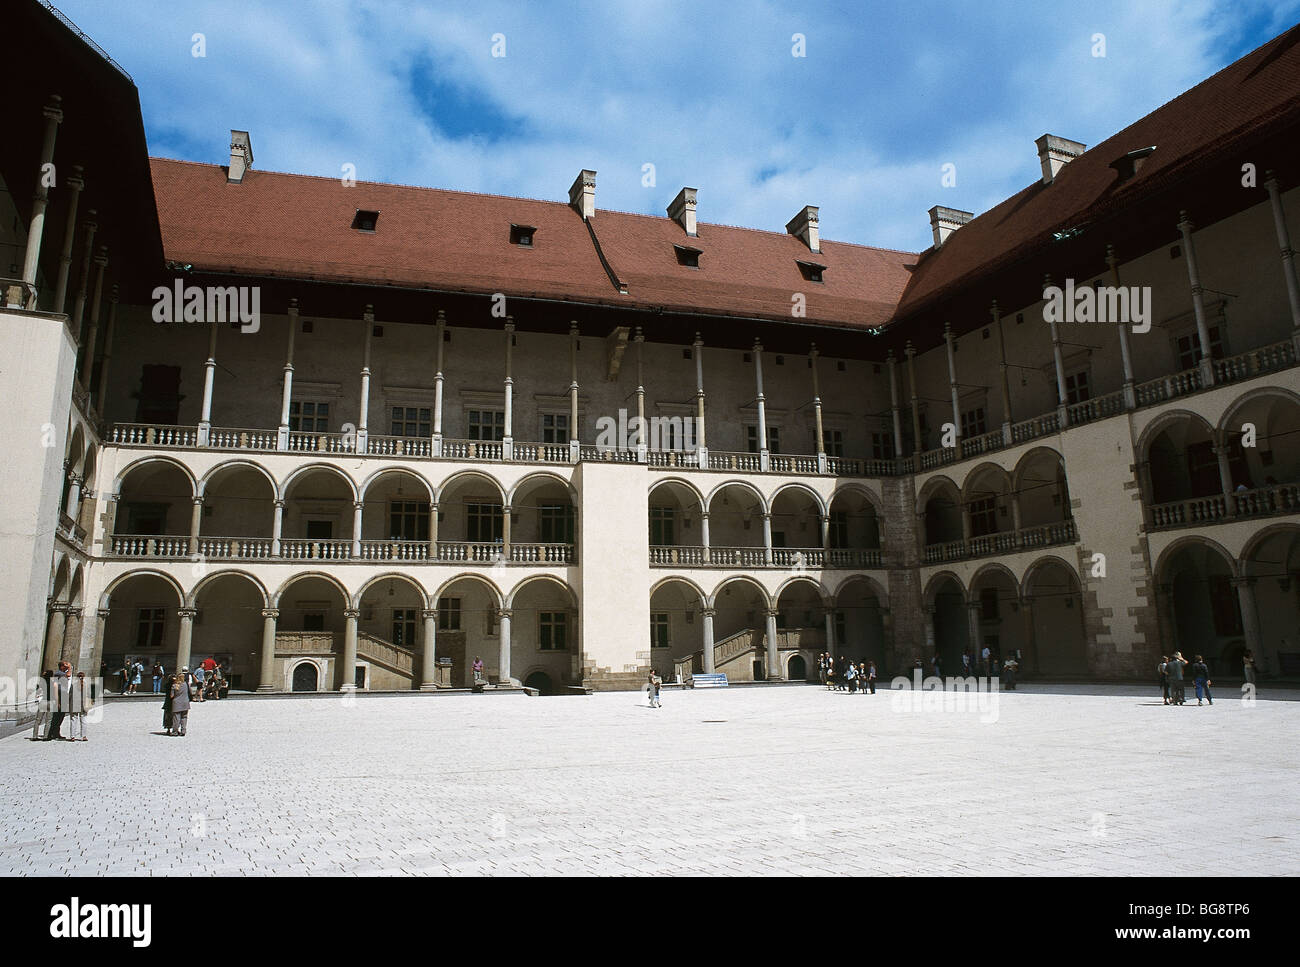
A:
x: 541, y: 682
x: 1052, y: 594
x: 796, y: 670
x: 306, y: 677
x: 544, y: 631
x: 228, y: 626
x: 740, y: 630
x: 676, y: 627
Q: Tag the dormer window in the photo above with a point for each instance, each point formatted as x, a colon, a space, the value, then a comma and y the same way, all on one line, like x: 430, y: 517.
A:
x: 687, y: 256
x: 365, y: 221
x: 812, y: 272
x: 522, y: 235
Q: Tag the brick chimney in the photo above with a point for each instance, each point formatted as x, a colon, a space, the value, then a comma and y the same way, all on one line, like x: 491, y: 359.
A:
x: 804, y: 227
x: 241, y: 156
x: 1055, y: 153
x: 582, y: 193
x: 682, y: 210
x: 945, y: 221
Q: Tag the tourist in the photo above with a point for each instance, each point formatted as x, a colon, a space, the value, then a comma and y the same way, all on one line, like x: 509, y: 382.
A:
x: 984, y: 661
x: 199, y: 681
x: 851, y: 677
x: 167, y: 706
x: 871, y: 676
x: 59, y: 697
x: 158, y: 672
x: 1174, y: 668
x: 125, y: 674
x: 1201, y: 676
x: 1009, y: 673
x: 1248, y: 666
x: 180, y: 692
x: 478, y: 670
x: 137, y: 675
x: 652, y: 689
x: 966, y: 662
x: 862, y: 678
x: 79, y: 704
x: 1164, y: 678
x: 44, y: 704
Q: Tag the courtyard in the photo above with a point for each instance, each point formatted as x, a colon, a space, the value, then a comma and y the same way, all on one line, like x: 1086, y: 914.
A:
x: 1059, y: 780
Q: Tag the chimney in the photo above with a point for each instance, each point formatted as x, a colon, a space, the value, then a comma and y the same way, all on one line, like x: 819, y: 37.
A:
x: 241, y: 156
x: 804, y: 227
x: 1055, y: 153
x: 582, y: 193
x: 945, y: 221
x: 682, y: 210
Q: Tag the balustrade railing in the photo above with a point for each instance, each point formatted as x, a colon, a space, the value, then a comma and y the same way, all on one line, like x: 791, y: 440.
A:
x: 1096, y: 409
x: 153, y: 435
x: 737, y: 557
x: 472, y: 449
x: 1038, y: 426
x: 1168, y: 387
x: 399, y: 446
x: 673, y: 458
x: 306, y: 550
x: 130, y: 545
x: 1255, y: 362
x: 677, y: 555
x: 798, y: 557
x: 541, y: 452
x: 1264, y: 501
x: 1195, y: 510
x: 300, y: 642
x: 301, y: 442
x: 791, y: 463
x: 541, y: 553
x: 1003, y: 542
x: 394, y: 550
x: 474, y: 552
x: 223, y: 438
x: 240, y: 548
x: 984, y: 443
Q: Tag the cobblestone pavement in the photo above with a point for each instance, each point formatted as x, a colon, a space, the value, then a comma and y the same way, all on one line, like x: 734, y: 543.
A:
x: 1083, y: 780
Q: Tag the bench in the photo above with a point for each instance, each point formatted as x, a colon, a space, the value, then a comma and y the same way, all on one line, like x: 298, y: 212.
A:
x: 715, y: 680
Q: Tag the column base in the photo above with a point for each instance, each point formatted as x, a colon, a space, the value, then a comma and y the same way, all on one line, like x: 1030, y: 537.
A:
x: 266, y: 689
x: 348, y: 687
x: 429, y: 686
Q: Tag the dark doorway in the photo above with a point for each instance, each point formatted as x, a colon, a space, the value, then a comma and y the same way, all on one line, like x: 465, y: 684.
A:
x: 540, y: 681
x: 797, y: 670
x: 306, y: 678
x: 159, y: 397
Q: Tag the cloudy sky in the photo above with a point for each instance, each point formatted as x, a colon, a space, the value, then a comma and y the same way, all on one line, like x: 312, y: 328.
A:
x: 710, y: 94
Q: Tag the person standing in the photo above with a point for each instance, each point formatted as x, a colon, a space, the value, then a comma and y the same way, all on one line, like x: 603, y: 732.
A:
x: 851, y: 677
x: 137, y: 675
x: 1009, y: 668
x: 62, y: 684
x: 199, y: 682
x: 478, y: 670
x: 871, y: 676
x: 180, y: 692
x: 984, y: 661
x: 1164, y: 678
x: 158, y: 672
x: 1248, y: 666
x: 1174, y: 668
x: 44, y: 704
x: 167, y: 706
x: 79, y: 704
x: 1201, y: 676
x: 653, y: 684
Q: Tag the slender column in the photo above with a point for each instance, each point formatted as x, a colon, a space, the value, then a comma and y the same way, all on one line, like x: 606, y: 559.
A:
x: 100, y: 394
x: 704, y: 533
x: 209, y: 375
x: 893, y: 404
x: 433, y: 531
x: 767, y: 538
x: 363, y: 424
x: 1062, y: 410
x: 505, y: 531
x: 36, y: 227
x: 277, y: 527
x: 97, y: 647
x: 54, y: 636
x: 952, y: 378
x: 773, y: 647
x: 196, y: 520
x: 429, y: 657
x: 89, y: 226
x: 573, y: 392
x: 503, y: 661
x: 1198, y: 301
x: 1225, y: 481
x: 973, y: 629
x: 1288, y: 255
x: 965, y: 522
x: 708, y: 614
x: 266, y: 680
x: 762, y: 406
x: 185, y: 637
x: 1015, y: 514
x: 1125, y: 350
x: 74, y: 183
x: 1004, y: 373
x: 509, y: 442
x: 1031, y: 637
x: 286, y: 395
x: 910, y: 353
x: 96, y: 303
x: 348, y: 663
x: 74, y: 496
x: 1249, y: 613
x: 699, y: 400
x: 817, y: 411
x: 825, y: 522
x: 642, y: 439
x: 831, y: 643
x: 440, y: 329
x: 357, y: 506
x: 72, y: 638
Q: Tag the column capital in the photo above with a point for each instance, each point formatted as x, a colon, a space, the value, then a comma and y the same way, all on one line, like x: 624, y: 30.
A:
x: 1184, y: 222
x: 358, y: 504
x: 74, y: 181
x: 197, y: 500
x: 442, y: 316
x: 429, y: 613
x: 187, y: 613
x: 813, y: 351
x: 772, y: 612
x: 506, y: 613
x: 279, y: 503
x: 102, y: 614
x: 639, y: 336
x: 708, y: 612
x: 53, y: 110
x: 1242, y: 582
x: 758, y: 346
x: 270, y: 612
x: 573, y: 327
x: 909, y: 349
x: 993, y: 309
x: 59, y: 606
x: 510, y: 324
x: 74, y: 612
x: 1111, y: 259
x: 368, y: 314
x: 293, y: 304
x: 101, y: 259
x: 947, y: 332
x: 352, y: 614
x: 698, y: 343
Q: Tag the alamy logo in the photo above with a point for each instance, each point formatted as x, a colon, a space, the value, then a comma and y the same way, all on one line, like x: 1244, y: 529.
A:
x: 110, y: 921
x: 658, y: 433
x: 1103, y: 303
x: 209, y: 303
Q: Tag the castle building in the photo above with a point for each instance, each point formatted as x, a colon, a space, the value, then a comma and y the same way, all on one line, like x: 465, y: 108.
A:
x: 355, y: 435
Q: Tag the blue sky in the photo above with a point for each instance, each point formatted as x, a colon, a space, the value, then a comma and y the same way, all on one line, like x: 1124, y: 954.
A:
x: 709, y: 93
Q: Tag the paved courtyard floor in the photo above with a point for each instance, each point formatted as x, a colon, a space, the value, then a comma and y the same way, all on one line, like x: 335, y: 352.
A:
x: 1066, y: 780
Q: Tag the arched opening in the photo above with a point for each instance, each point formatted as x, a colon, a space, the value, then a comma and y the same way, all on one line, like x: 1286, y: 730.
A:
x: 238, y: 513
x: 796, y: 526
x: 1059, y: 645
x: 676, y: 629
x: 228, y: 627
x: 859, y: 625
x: 544, y: 631
x: 143, y: 624
x: 395, y: 517
x: 676, y: 528
x: 306, y: 677
x: 1272, y: 567
x: 951, y: 627
x: 155, y: 501
x: 543, y: 521
x: 740, y: 631
x: 853, y: 530
x: 1196, y: 579
x: 796, y: 669
x: 1001, y: 625
x: 318, y: 516
x: 541, y: 683
x: 83, y: 514
x: 942, y: 513
x: 988, y: 508
x: 1269, y: 478
x: 311, y: 625
x: 800, y: 622
x: 736, y: 527
x: 471, y: 521
x: 1041, y: 490
x: 1182, y: 465
x: 469, y: 627
x: 390, y: 633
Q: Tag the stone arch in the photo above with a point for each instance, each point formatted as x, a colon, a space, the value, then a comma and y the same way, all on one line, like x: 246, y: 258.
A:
x: 931, y: 487
x: 936, y: 580
x: 1164, y: 421
x: 818, y: 502
x: 712, y: 600
x: 1058, y: 643
x: 989, y: 569
x: 355, y: 600
x: 192, y: 598
x: 60, y: 579
x: 385, y: 471
x: 681, y: 580
x: 463, y: 475
x: 494, y: 591
x: 75, y: 454
x: 684, y: 484
x: 76, y: 586
x: 984, y: 470
x: 107, y: 594
x: 1262, y: 535
x: 1224, y: 425
x: 539, y: 476
x: 759, y: 499
x: 306, y: 469
x: 1190, y: 540
x: 134, y: 465
x: 823, y: 592
x: 302, y: 575
x: 238, y: 464
x: 546, y: 578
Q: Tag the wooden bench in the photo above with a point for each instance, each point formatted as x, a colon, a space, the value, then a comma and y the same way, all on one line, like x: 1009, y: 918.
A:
x: 715, y: 680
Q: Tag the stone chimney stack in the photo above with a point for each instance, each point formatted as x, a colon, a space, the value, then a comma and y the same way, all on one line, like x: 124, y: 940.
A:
x: 804, y: 227
x: 682, y: 210
x: 945, y: 221
x: 241, y: 156
x: 582, y: 193
x: 1055, y: 153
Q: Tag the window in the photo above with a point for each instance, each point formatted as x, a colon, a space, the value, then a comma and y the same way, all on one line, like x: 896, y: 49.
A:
x: 555, y: 523
x: 1077, y: 389
x: 551, y: 631
x: 983, y: 517
x: 482, y: 522
x: 811, y: 271
x: 989, y: 604
x: 486, y: 424
x: 972, y: 422
x: 833, y: 442
x: 412, y: 421
x: 687, y: 256
x: 659, y: 630
x: 365, y: 221
x: 555, y: 428
x: 661, y: 526
x: 838, y: 528
x: 773, y: 439
x: 522, y: 235
x: 449, y: 614
x: 408, y: 520
x: 490, y: 623
x: 404, y: 627
x: 882, y: 446
x: 309, y: 416
x: 149, y: 627
x: 313, y: 621
x: 1189, y: 348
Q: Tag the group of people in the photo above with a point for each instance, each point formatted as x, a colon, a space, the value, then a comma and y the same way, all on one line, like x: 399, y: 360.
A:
x: 1171, y: 678
x: 986, y: 665
x: 842, y: 675
x: 208, y: 679
x: 62, y: 696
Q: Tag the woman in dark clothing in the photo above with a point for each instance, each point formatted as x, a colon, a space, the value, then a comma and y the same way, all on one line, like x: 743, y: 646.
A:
x: 167, y: 708
x: 1164, y: 679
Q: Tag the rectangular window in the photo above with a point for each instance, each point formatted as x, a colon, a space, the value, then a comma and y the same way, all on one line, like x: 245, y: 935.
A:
x: 313, y: 621
x: 1189, y: 348
x: 882, y: 446
x: 839, y: 528
x: 404, y: 627
x: 972, y: 422
x: 412, y: 421
x: 309, y: 416
x: 551, y: 630
x: 149, y: 627
x: 555, y: 428
x: 449, y: 614
x: 773, y: 439
x: 555, y: 523
x: 482, y: 522
x: 662, y: 520
x: 659, y: 631
x: 833, y: 442
x: 486, y: 424
x: 983, y: 517
x: 408, y: 520
x: 1077, y: 388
